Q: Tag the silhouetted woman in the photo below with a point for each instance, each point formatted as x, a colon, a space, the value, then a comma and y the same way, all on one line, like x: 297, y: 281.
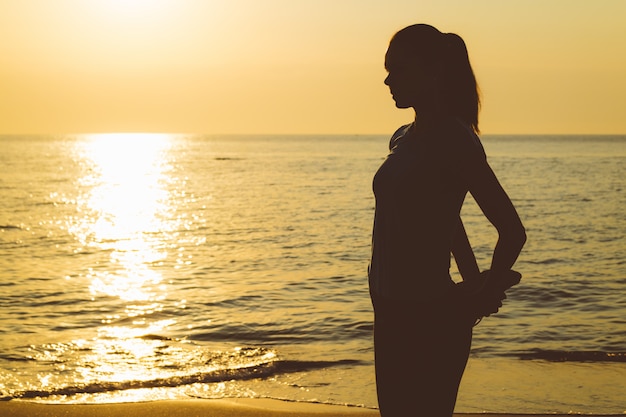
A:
x: 423, y: 320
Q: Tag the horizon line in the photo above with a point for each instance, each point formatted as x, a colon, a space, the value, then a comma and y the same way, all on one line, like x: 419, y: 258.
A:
x: 284, y: 134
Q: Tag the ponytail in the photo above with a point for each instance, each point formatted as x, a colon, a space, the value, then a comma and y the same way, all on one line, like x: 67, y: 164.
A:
x: 458, y: 85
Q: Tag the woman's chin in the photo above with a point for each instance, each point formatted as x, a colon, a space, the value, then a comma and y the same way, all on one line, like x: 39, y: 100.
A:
x: 402, y: 105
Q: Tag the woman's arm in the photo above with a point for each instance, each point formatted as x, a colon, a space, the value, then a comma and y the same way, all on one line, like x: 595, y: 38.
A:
x: 464, y: 255
x: 499, y: 210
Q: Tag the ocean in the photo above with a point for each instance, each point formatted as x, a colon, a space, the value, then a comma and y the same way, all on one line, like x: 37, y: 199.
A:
x: 140, y: 267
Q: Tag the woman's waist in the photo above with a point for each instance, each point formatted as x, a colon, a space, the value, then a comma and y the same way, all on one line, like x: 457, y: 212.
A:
x: 409, y: 285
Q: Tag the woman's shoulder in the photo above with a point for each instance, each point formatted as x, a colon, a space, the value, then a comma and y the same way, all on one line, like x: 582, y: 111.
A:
x: 399, y: 134
x: 453, y: 134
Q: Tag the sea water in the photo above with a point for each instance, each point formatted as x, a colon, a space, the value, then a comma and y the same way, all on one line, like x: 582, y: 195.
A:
x: 143, y: 267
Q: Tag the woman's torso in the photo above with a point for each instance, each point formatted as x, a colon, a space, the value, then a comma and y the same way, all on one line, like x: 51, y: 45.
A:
x: 419, y: 192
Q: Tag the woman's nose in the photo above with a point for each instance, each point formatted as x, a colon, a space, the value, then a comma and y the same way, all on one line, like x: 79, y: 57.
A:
x: 387, y: 79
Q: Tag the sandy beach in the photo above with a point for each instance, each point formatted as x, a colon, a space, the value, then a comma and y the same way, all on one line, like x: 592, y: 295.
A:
x: 199, y: 408
x: 187, y: 408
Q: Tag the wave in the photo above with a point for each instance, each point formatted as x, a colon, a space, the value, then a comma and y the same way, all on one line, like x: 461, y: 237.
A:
x: 573, y: 356
x: 9, y: 227
x: 264, y: 370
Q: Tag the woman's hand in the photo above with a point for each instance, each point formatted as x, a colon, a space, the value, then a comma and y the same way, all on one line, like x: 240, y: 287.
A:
x: 484, y: 296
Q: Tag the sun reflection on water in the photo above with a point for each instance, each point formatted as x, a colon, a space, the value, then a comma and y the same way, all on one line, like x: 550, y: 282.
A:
x: 124, y: 216
x: 124, y: 210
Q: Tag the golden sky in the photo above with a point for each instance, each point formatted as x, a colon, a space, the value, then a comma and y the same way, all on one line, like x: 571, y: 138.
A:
x: 298, y: 66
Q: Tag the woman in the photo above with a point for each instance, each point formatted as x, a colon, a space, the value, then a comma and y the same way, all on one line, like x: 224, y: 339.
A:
x: 423, y: 321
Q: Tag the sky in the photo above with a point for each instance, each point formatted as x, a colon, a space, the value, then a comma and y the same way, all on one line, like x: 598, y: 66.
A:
x: 299, y: 66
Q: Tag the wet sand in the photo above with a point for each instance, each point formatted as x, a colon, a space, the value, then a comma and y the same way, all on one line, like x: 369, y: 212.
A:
x: 199, y: 408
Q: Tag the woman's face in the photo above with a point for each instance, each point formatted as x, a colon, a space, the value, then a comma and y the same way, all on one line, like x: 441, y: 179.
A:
x: 408, y: 82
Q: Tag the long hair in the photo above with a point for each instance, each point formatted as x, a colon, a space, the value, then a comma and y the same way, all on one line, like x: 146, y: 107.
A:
x: 445, y: 56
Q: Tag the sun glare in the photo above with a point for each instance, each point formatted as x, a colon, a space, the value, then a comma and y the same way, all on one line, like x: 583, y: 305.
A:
x: 140, y: 10
x: 125, y: 207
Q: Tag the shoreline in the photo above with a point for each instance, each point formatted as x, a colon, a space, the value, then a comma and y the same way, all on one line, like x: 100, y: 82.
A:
x: 234, y: 407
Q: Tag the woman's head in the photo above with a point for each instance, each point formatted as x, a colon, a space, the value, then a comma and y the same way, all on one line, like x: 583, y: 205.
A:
x: 430, y: 71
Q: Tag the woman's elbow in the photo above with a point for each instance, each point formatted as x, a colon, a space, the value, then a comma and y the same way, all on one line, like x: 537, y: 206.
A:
x: 518, y: 235
x: 515, y: 235
x: 522, y: 236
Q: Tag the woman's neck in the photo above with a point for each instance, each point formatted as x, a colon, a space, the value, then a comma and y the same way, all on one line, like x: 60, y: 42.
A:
x: 424, y: 119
